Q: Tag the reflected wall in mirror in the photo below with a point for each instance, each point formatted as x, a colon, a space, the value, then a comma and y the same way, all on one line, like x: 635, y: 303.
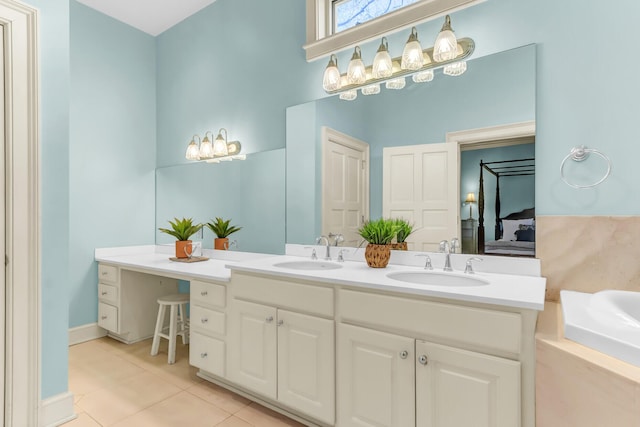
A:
x: 496, y: 90
x: 249, y: 192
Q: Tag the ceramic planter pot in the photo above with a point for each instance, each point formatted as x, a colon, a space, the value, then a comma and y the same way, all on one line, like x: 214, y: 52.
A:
x: 402, y: 246
x: 377, y: 256
x: 221, y: 243
x: 183, y: 248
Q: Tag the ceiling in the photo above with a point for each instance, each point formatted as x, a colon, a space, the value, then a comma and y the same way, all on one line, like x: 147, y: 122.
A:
x: 151, y: 16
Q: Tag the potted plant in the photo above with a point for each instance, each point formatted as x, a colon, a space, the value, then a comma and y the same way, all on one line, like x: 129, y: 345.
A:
x: 404, y: 230
x: 222, y: 229
x: 182, y: 229
x: 378, y: 234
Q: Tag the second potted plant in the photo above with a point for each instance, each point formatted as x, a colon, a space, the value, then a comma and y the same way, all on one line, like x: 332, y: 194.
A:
x: 404, y: 229
x: 378, y: 234
x: 222, y: 229
x: 182, y: 230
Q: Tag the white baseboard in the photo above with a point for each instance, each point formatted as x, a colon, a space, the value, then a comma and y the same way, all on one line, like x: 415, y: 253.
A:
x: 88, y: 332
x: 57, y: 410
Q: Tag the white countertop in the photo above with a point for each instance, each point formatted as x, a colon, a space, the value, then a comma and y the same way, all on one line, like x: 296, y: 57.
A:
x: 519, y: 291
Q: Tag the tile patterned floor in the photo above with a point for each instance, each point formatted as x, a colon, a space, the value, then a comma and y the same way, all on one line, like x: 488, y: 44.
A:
x: 121, y: 385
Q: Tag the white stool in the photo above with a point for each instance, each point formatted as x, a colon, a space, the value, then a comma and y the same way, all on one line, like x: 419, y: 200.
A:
x: 178, y: 324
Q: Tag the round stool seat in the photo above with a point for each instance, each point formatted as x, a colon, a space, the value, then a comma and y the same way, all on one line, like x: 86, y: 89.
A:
x: 174, y: 299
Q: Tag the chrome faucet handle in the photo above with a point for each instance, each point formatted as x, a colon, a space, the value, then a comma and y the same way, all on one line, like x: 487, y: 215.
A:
x: 468, y: 269
x: 455, y: 244
x: 338, y: 238
x: 444, y: 246
x: 427, y: 263
x: 313, y: 252
x: 340, y: 256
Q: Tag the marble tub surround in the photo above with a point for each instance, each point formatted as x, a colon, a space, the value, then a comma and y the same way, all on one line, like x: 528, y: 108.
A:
x: 579, y: 386
x: 588, y: 253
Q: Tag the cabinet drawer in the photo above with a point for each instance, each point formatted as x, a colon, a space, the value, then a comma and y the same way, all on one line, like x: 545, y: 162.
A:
x: 207, y: 293
x: 108, y: 293
x: 107, y: 273
x: 108, y: 317
x: 281, y: 293
x: 208, y: 320
x: 481, y: 328
x: 207, y: 353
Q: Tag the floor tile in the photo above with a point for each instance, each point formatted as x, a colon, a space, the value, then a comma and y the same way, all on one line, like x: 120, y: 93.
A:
x: 219, y: 396
x: 234, y: 422
x: 259, y: 416
x: 83, y: 420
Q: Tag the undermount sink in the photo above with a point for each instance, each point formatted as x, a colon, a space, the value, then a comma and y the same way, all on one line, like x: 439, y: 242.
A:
x: 308, y: 265
x: 431, y: 278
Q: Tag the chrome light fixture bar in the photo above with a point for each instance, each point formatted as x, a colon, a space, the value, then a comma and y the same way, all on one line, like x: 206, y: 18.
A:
x: 214, y: 152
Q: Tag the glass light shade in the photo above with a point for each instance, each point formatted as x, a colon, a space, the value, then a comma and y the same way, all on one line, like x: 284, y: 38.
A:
x: 371, y: 90
x: 455, y: 69
x: 331, y: 80
x: 349, y: 95
x: 423, y: 76
x: 382, y: 64
x: 356, y: 72
x: 206, y: 148
x: 220, y: 146
x: 396, y: 84
x: 471, y: 198
x: 193, y: 152
x: 412, y: 58
x: 446, y: 45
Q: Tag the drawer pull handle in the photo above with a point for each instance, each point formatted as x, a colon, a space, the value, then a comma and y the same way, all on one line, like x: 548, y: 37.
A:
x: 104, y: 292
x: 423, y: 360
x: 104, y: 273
x: 280, y: 322
x: 203, y: 355
x: 204, y: 320
x: 269, y: 319
x: 204, y: 293
x: 404, y: 354
x: 104, y: 318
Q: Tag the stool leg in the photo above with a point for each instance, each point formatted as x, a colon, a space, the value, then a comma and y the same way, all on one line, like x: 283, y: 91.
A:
x: 156, y: 335
x: 183, y: 324
x: 172, y: 334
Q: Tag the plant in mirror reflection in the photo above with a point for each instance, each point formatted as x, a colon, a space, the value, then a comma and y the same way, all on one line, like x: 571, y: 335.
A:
x: 222, y: 228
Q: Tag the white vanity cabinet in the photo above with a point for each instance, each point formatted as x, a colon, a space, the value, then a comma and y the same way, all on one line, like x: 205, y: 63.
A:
x: 281, y: 343
x: 208, y: 327
x: 127, y: 302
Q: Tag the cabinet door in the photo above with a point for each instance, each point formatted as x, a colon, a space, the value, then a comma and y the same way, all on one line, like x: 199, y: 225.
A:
x: 252, y: 358
x: 376, y: 378
x: 461, y: 388
x: 306, y: 367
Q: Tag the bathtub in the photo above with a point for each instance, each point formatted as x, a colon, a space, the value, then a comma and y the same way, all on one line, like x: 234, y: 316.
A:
x: 607, y: 321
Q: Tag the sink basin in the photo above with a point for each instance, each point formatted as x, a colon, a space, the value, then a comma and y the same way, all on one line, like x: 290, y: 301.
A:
x: 436, y: 279
x: 308, y: 265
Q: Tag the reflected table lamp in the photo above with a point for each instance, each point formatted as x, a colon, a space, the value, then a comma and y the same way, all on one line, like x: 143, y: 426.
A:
x: 471, y: 199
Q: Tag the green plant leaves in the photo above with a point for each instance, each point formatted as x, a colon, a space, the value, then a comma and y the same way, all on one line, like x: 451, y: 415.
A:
x: 379, y: 232
x: 182, y: 229
x: 221, y: 228
x: 404, y: 230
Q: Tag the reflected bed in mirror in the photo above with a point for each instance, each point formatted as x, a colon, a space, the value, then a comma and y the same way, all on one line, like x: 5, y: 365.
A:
x: 496, y: 90
x: 250, y: 193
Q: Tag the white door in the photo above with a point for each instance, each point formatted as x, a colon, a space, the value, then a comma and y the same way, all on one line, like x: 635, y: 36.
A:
x: 375, y: 378
x: 306, y: 364
x: 461, y: 388
x: 3, y: 297
x: 345, y: 185
x: 420, y: 184
x: 252, y: 347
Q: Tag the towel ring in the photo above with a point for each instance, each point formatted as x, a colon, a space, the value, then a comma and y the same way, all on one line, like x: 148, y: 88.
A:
x: 579, y: 154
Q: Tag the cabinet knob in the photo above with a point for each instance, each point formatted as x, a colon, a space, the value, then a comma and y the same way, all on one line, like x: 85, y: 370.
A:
x: 269, y: 319
x: 204, y: 293
x: 203, y: 355
x: 423, y: 359
x: 104, y: 317
x: 204, y: 320
x: 280, y: 322
x: 404, y: 354
x: 104, y: 273
x: 104, y: 292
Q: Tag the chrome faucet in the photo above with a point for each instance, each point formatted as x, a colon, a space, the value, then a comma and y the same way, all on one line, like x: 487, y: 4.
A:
x: 327, y: 256
x: 469, y: 267
x: 337, y: 238
x: 445, y: 248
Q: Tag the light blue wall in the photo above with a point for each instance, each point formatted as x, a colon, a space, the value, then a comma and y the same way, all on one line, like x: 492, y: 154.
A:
x: 112, y: 147
x: 516, y: 192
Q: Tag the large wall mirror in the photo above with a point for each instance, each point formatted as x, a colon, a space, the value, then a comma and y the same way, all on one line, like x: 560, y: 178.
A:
x: 496, y: 91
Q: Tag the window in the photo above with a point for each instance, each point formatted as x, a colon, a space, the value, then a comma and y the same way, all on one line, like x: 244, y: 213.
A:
x: 358, y: 21
x: 349, y: 13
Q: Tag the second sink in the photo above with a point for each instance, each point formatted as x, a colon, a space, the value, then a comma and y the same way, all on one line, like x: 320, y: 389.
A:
x: 436, y: 279
x: 308, y: 265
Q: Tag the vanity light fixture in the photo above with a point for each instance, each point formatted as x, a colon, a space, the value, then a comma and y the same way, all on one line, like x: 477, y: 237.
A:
x: 219, y: 150
x: 415, y: 62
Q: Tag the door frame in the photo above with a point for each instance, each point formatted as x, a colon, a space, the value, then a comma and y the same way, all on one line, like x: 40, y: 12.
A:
x: 329, y: 134
x: 22, y: 192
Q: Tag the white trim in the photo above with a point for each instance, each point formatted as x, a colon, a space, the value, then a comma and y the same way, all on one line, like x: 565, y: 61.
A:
x: 57, y: 410
x: 84, y: 333
x: 509, y: 131
x: 321, y: 43
x: 22, y: 387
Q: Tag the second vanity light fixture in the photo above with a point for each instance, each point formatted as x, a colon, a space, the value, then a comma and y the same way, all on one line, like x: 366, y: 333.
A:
x: 447, y: 52
x: 220, y: 150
